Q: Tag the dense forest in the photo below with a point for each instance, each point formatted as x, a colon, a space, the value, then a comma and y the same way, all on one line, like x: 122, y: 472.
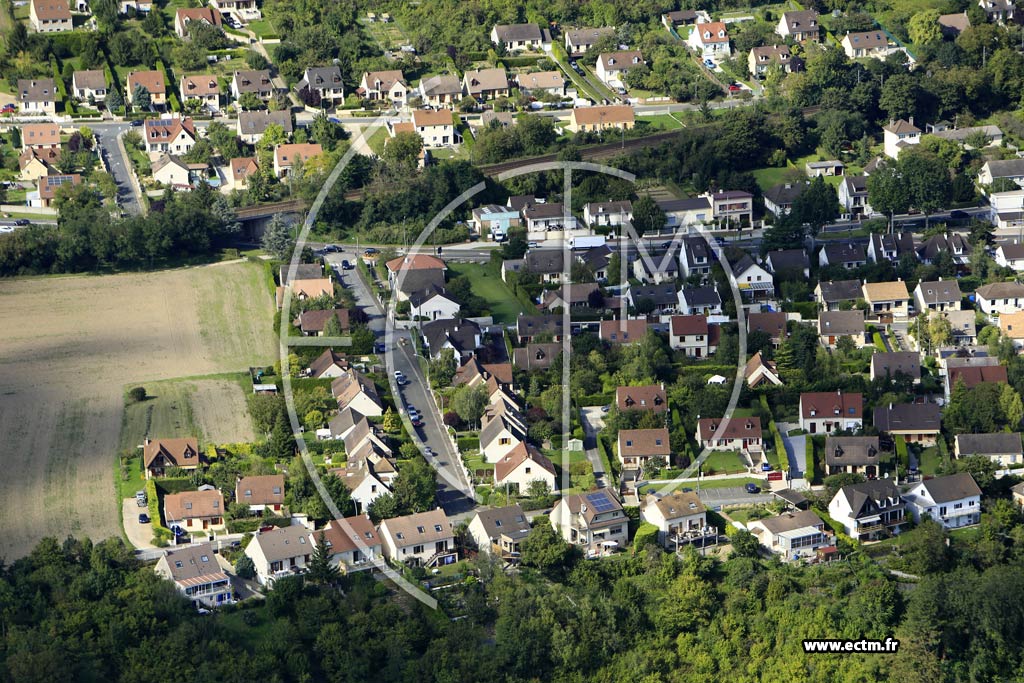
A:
x: 83, y: 612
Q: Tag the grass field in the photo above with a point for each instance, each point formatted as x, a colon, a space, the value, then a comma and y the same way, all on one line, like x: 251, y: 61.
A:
x: 505, y: 307
x: 724, y: 462
x: 65, y: 364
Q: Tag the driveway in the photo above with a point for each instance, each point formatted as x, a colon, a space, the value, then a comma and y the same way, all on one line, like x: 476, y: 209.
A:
x: 796, y: 450
x: 139, y: 535
x: 119, y: 164
x: 355, y: 284
x: 593, y: 422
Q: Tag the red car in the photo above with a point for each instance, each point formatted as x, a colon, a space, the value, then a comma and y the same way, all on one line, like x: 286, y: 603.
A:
x: 734, y: 87
x: 8, y: 109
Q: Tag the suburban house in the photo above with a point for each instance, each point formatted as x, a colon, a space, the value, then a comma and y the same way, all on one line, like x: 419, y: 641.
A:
x: 579, y: 40
x: 152, y: 82
x: 656, y: 299
x: 648, y: 397
x: 329, y: 364
x: 710, y: 41
x: 681, y: 213
x: 242, y: 168
x: 799, y: 25
x: 536, y: 356
x: 828, y: 411
x: 325, y: 81
x: 253, y: 124
x: 47, y: 189
x: 201, y: 510
x: 287, y: 156
x: 600, y: 118
x: 175, y: 135
x: 999, y: 11
x: 89, y: 85
x: 500, y: 436
x: 760, y: 59
x: 433, y: 303
x: 692, y: 335
x: 953, y: 501
x: 423, y: 539
x: 160, y: 455
x: 1000, y: 297
x: 1011, y: 255
x: 389, y: 86
x: 755, y: 283
x: 788, y: 263
x: 887, y: 300
x: 694, y: 257
x: 498, y: 531
x: 793, y: 534
x: 37, y: 96
x: 36, y: 164
x: 916, y: 422
x: 413, y: 263
x: 680, y: 517
x: 261, y: 492
x: 256, y: 82
x: 494, y: 220
x: 963, y: 327
x: 461, y: 335
x: 594, y: 521
x: 435, y: 128
x: 657, y: 269
x: 954, y: 24
x: 517, y: 37
x: 353, y: 543
x: 972, y: 371
x: 485, y: 83
x: 993, y: 135
x: 694, y: 300
x: 202, y: 15
x: 772, y: 324
x: 952, y: 243
x: 637, y: 446
x: 1003, y: 448
x: 731, y: 207
x: 1012, y: 327
x: 541, y: 82
x: 49, y: 16
x: 742, y: 434
x: 892, y: 363
x: 40, y: 136
x: 197, y: 574
x: 612, y: 67
x: 853, y: 196
x: 280, y: 552
x: 943, y: 295
x: 869, y: 509
x: 441, y: 91
x: 522, y: 466
x: 202, y: 87
x: 898, y: 135
x: 865, y: 44
x: 623, y: 331
x: 307, y: 289
x: 597, y: 214
x: 852, y: 455
x: 366, y: 479
x: 686, y: 17
x: 353, y: 390
x: 848, y: 256
x: 759, y: 371
x: 1012, y: 169
x: 834, y: 325
x: 172, y: 171
x: 530, y: 326
x: 779, y: 198
x: 890, y: 246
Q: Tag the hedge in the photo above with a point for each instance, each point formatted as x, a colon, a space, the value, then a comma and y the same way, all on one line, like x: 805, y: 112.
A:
x: 809, y: 455
x: 174, y: 485
x: 160, y: 532
x: 646, y: 534
x: 781, y: 460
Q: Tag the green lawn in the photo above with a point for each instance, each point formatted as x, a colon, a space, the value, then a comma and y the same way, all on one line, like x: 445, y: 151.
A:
x: 262, y: 28
x: 724, y: 462
x: 769, y: 177
x: 504, y: 306
x: 659, y: 122
x: 929, y: 461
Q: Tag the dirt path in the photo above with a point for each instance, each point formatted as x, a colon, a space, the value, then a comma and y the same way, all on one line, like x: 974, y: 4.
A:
x: 68, y: 348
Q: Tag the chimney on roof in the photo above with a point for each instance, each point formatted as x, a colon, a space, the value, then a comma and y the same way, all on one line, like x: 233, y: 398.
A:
x: 911, y: 120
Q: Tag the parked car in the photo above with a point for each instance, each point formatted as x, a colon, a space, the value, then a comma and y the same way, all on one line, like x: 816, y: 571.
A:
x: 143, y: 518
x: 21, y: 221
x: 4, y: 229
x: 370, y: 251
x: 752, y: 488
x: 345, y: 265
x: 709, y: 64
x: 766, y: 467
x: 8, y: 109
x: 532, y: 245
x: 140, y: 499
x: 735, y: 87
x: 135, y: 123
x: 957, y: 214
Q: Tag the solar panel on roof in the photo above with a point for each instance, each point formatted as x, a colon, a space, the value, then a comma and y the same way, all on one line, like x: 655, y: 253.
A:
x: 600, y: 502
x: 56, y: 180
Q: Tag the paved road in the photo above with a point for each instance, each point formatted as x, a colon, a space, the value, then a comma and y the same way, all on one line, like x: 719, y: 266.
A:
x: 454, y: 492
x: 795, y: 450
x: 120, y: 166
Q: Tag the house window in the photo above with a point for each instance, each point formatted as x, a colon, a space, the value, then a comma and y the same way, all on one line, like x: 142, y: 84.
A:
x: 615, y: 530
x: 417, y: 549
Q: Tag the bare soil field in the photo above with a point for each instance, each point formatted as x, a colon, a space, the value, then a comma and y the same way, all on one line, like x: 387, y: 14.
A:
x: 220, y: 411
x: 68, y: 348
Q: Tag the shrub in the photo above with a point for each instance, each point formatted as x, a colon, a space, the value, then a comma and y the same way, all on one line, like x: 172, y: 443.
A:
x: 647, y: 534
x: 137, y: 394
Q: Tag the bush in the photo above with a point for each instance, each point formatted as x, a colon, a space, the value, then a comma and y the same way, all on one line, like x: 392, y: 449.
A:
x: 137, y: 394
x: 647, y: 534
